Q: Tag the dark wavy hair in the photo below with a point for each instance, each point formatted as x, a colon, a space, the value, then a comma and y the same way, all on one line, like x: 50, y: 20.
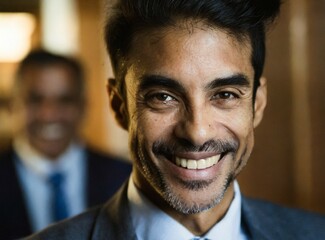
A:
x: 240, y: 18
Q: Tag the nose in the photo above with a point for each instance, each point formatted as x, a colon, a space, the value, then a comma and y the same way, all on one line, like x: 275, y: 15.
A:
x: 48, y: 111
x: 195, y: 125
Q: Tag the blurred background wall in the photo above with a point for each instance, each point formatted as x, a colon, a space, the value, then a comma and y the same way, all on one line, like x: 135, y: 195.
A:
x: 288, y: 163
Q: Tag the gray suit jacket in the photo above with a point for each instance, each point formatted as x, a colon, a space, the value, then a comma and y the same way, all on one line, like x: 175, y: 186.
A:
x: 262, y: 221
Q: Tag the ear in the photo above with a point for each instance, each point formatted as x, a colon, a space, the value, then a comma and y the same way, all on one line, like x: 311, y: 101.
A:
x: 260, y: 101
x: 117, y: 104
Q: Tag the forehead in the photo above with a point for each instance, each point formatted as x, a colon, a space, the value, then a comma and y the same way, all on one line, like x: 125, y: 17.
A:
x: 48, y: 80
x: 183, y: 53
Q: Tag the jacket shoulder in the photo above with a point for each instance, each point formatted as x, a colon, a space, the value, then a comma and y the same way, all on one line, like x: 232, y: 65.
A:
x: 275, y: 220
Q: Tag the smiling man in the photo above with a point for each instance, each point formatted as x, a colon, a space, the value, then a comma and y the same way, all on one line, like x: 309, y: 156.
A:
x: 189, y: 90
x: 190, y: 101
x: 49, y: 173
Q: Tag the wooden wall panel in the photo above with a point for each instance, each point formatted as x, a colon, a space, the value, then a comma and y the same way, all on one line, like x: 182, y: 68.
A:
x: 268, y: 174
x: 100, y: 128
x: 90, y: 42
x: 316, y: 35
x: 288, y: 163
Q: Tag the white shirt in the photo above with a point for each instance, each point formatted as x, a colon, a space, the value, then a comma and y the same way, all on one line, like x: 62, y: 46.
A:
x: 33, y: 172
x: 152, y: 223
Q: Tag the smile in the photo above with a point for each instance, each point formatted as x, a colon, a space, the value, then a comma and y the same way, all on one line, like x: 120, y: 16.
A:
x: 51, y: 131
x: 197, y: 164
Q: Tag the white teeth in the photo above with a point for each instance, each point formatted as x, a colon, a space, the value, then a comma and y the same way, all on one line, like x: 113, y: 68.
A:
x: 197, y: 164
x: 178, y: 161
x: 183, y: 163
x: 201, y: 164
x: 191, y: 164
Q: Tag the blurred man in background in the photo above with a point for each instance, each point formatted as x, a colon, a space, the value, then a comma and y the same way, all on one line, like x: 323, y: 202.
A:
x: 49, y: 173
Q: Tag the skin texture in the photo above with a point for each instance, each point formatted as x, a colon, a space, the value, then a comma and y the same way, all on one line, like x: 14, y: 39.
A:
x: 189, y: 95
x: 50, y: 108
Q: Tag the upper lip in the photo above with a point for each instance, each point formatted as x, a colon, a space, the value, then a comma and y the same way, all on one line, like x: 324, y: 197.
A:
x: 196, y: 155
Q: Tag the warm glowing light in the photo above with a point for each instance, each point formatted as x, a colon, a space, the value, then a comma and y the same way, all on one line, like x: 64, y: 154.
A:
x: 60, y: 33
x: 15, y: 35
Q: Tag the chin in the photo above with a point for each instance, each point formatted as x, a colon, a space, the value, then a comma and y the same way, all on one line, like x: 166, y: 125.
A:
x: 196, y: 197
x: 51, y: 150
x: 193, y: 205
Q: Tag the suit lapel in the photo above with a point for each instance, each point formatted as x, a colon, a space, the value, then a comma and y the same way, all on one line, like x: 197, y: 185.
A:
x: 251, y: 222
x: 263, y: 221
x: 91, y: 169
x: 105, y: 175
x: 97, y: 184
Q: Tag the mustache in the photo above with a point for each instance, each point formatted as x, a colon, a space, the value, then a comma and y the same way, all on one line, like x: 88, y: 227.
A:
x: 170, y: 148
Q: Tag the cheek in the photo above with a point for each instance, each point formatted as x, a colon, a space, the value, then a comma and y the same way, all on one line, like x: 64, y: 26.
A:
x: 29, y: 116
x: 154, y: 127
x: 147, y: 129
x: 244, y: 130
x: 240, y: 123
x: 72, y: 115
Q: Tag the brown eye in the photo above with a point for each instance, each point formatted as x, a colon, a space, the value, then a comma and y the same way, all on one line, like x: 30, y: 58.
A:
x: 163, y: 97
x: 159, y: 97
x: 160, y: 100
x: 225, y: 99
x: 34, y: 99
x: 225, y: 95
x: 67, y: 100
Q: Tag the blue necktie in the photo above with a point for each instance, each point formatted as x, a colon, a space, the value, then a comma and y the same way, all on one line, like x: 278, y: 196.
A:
x: 58, y: 199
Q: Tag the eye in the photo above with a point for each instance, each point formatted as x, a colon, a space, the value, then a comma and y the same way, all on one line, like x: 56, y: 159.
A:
x: 162, y: 97
x: 225, y: 99
x: 160, y: 100
x: 68, y: 100
x: 225, y: 95
x: 34, y: 99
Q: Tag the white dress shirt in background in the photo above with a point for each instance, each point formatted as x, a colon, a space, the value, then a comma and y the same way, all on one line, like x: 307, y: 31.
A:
x: 33, y: 172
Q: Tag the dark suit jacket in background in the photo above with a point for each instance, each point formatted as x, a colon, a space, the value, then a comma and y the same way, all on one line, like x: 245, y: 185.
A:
x: 262, y: 221
x: 105, y: 175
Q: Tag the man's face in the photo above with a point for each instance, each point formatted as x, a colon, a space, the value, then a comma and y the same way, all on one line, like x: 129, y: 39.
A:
x: 50, y: 106
x: 191, y: 114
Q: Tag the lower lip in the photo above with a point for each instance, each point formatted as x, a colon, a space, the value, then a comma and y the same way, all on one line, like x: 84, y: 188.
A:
x: 195, y: 174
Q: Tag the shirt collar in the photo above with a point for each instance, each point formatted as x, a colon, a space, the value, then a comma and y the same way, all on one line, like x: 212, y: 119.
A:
x: 152, y: 223
x: 40, y: 164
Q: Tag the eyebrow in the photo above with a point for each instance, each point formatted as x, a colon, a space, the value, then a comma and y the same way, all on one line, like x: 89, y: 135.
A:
x: 148, y: 81
x: 234, y: 80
